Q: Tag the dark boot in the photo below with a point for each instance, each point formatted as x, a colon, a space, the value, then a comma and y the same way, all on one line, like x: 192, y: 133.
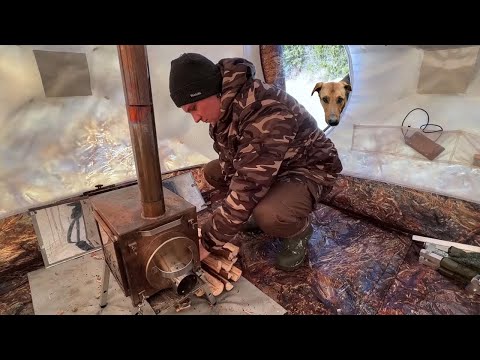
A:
x: 294, y: 250
x: 250, y: 225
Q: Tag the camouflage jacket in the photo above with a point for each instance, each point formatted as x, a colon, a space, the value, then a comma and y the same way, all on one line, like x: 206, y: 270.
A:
x: 264, y: 135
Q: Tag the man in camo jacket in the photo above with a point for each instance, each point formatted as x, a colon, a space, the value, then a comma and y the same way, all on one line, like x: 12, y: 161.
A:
x: 274, y: 161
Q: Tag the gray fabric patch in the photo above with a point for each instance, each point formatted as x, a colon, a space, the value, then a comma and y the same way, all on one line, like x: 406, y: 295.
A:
x: 447, y: 71
x: 63, y: 73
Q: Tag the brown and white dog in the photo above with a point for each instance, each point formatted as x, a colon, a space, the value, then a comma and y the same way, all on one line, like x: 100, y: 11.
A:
x: 333, y: 97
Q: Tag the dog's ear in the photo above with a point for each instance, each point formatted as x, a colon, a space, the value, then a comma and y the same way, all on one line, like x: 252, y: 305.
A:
x: 347, y: 86
x: 317, y: 87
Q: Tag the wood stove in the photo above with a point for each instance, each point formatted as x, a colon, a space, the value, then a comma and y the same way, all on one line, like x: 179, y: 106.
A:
x: 149, y: 234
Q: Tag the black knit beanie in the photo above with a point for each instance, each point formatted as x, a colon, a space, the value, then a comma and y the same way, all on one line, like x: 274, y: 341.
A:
x: 193, y: 77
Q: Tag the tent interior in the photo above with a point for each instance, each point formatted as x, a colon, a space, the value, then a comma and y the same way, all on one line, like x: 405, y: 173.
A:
x: 65, y: 135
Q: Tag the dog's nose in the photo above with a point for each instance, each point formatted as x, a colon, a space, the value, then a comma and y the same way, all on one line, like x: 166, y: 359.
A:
x: 333, y: 119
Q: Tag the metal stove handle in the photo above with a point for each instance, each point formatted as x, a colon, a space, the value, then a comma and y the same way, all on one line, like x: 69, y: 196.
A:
x: 161, y: 228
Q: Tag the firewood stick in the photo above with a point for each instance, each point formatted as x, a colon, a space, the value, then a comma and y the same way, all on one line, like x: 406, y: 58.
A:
x: 223, y: 253
x: 179, y: 308
x: 226, y: 264
x: 236, y: 273
x: 217, y: 269
x: 225, y: 274
x: 236, y: 270
x: 235, y: 277
x: 228, y: 285
x: 211, y: 266
x: 213, y: 263
x: 233, y: 248
x: 215, y: 285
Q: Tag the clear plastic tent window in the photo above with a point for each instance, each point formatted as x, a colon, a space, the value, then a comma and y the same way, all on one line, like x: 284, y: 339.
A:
x: 388, y: 82
x: 454, y: 147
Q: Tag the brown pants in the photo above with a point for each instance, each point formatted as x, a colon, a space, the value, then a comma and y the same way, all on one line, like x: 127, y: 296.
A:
x: 284, y: 210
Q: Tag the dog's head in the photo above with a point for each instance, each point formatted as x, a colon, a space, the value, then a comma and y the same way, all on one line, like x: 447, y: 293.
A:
x: 333, y: 97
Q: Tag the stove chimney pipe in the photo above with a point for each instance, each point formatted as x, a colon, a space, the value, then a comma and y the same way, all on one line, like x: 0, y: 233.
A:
x: 141, y: 120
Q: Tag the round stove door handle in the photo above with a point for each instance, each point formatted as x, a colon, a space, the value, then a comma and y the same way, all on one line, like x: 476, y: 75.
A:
x: 189, y: 244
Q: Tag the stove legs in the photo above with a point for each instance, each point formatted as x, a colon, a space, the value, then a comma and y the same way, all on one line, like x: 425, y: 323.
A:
x: 106, y: 282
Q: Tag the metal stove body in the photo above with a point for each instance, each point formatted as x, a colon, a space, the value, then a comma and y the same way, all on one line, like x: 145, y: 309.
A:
x: 149, y: 234
x: 148, y: 255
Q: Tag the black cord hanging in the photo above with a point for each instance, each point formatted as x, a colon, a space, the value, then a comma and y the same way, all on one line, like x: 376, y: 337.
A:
x: 424, y: 126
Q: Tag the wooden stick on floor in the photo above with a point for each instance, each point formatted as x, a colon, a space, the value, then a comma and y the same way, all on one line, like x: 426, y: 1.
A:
x: 233, y: 249
x: 236, y: 273
x: 218, y: 269
x: 226, y: 264
x: 213, y: 263
x: 223, y: 253
x: 216, y: 285
x: 465, y: 247
x: 228, y: 285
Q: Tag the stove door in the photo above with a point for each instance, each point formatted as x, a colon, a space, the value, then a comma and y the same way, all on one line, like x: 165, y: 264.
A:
x: 173, y: 260
x: 165, y: 257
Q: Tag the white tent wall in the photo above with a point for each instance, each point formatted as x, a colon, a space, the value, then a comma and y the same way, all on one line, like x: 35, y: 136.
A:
x: 52, y: 148
x: 385, y: 81
x: 181, y: 142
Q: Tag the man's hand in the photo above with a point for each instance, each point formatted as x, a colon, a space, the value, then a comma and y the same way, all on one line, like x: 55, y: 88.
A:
x: 203, y: 253
x: 219, y: 267
x: 229, y: 252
